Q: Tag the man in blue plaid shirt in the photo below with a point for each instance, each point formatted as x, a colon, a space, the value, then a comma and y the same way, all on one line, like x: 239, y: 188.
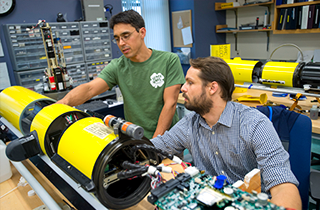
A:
x: 229, y: 138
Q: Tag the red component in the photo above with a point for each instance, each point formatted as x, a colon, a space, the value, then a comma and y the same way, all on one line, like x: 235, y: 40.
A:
x: 52, y: 83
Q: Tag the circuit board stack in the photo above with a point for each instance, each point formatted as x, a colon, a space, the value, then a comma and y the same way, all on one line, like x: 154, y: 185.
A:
x: 201, y: 191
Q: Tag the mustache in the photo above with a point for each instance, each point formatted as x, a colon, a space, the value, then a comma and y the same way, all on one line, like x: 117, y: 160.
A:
x: 185, y: 96
x: 125, y: 47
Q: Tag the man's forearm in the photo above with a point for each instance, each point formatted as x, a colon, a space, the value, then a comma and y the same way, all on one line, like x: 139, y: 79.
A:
x: 286, y: 195
x: 77, y: 96
x: 165, y: 119
x: 84, y: 92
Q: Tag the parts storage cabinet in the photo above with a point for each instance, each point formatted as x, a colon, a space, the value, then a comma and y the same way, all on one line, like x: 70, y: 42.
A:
x: 86, y: 45
x: 94, y: 68
x: 69, y: 32
x: 78, y: 73
x: 27, y: 50
x: 29, y: 79
x: 25, y: 47
x: 96, y: 40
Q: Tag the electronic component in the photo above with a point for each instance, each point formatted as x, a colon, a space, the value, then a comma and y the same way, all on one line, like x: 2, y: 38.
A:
x: 202, y: 194
x: 208, y: 197
x: 192, y: 171
x: 56, y: 72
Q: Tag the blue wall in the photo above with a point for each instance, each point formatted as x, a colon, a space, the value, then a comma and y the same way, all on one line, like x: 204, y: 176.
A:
x: 30, y: 11
x: 204, y: 21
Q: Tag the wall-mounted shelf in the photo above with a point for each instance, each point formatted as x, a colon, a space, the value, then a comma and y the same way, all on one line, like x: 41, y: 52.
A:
x: 218, y: 5
x: 297, y: 4
x: 294, y: 31
x: 297, y: 31
x: 235, y: 30
x: 218, y: 8
x: 218, y: 27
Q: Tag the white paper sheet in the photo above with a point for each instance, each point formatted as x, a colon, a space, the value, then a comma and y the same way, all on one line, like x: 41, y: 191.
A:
x: 186, y: 35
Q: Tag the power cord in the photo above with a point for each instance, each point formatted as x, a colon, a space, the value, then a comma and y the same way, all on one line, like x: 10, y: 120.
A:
x: 22, y: 182
x: 288, y: 44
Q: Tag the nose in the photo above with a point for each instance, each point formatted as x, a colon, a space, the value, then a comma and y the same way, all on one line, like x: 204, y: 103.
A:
x: 121, y: 42
x: 183, y: 88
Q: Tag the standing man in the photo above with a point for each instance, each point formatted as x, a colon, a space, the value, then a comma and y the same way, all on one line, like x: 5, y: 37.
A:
x: 149, y: 80
x: 229, y: 138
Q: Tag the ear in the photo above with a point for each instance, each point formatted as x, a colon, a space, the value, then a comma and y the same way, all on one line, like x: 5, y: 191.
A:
x: 143, y: 32
x: 213, y: 87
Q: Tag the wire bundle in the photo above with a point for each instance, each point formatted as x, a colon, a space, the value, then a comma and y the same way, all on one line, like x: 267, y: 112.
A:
x: 133, y: 170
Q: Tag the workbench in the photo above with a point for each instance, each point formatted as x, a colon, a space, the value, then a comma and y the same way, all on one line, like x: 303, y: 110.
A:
x: 61, y: 192
x: 304, y: 104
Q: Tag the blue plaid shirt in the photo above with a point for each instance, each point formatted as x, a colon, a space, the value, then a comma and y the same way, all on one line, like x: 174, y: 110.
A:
x: 241, y: 140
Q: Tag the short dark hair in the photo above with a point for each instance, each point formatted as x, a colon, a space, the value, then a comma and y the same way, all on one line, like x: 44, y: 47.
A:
x: 128, y: 17
x: 215, y: 69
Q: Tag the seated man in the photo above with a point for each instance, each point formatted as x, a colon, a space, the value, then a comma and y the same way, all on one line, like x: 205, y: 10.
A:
x: 229, y: 138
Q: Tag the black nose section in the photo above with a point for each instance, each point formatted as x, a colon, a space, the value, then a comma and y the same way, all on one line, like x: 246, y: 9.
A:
x: 23, y: 148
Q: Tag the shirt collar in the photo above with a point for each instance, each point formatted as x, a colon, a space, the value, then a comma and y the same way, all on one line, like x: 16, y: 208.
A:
x: 225, y: 118
x: 227, y: 115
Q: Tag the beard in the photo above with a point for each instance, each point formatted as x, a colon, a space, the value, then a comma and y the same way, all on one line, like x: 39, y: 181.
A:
x: 201, y: 104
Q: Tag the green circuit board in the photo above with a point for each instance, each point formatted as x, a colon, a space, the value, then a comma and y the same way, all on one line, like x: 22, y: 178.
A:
x: 199, y: 192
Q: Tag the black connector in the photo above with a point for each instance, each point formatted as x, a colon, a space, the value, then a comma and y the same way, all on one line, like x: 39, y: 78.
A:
x: 149, y: 148
x: 132, y: 173
x: 167, y: 187
x: 127, y: 165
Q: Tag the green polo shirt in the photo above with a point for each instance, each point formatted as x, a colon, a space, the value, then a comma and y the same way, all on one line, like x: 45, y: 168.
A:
x: 142, y: 85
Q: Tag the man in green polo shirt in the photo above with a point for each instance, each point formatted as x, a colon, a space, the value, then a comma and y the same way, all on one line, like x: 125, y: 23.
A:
x: 149, y: 79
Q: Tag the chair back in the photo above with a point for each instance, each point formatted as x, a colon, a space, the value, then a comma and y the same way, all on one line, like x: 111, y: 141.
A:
x: 295, y: 129
x: 300, y: 155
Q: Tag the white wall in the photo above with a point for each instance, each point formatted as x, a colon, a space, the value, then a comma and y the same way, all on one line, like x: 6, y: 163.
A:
x: 253, y: 45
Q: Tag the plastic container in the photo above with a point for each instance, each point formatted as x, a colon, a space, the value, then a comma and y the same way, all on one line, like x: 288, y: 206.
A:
x: 314, y: 112
x: 5, y: 168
